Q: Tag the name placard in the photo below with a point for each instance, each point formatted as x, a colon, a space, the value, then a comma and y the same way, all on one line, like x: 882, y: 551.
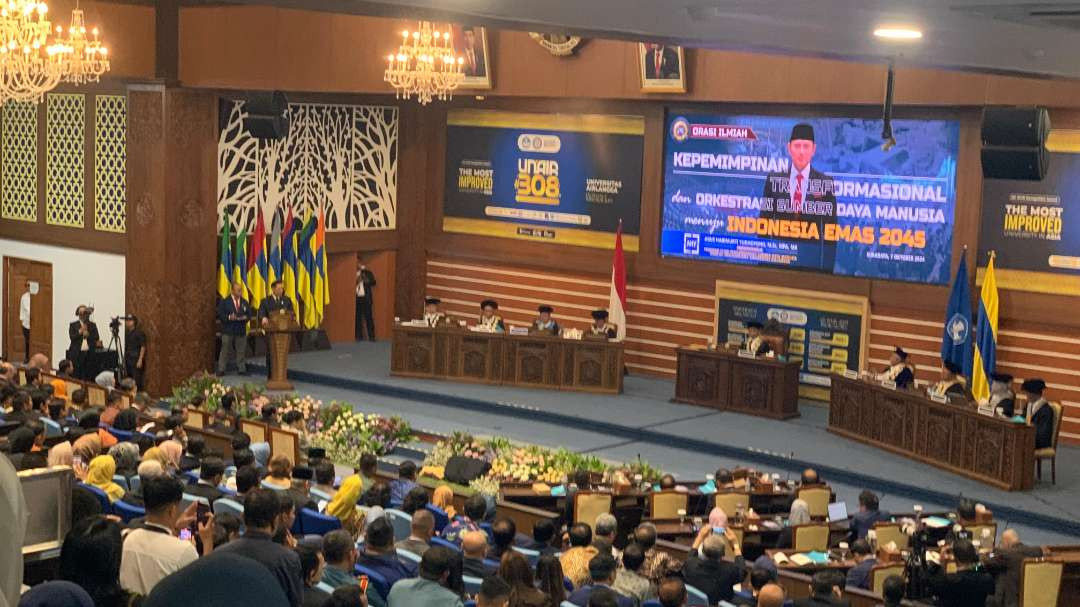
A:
x: 888, y: 383
x: 848, y: 373
x: 940, y: 398
x: 745, y: 354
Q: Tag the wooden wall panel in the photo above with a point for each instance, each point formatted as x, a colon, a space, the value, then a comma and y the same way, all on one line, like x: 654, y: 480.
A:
x: 339, y: 321
x: 127, y: 29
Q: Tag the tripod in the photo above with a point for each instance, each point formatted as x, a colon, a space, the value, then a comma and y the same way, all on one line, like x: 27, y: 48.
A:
x: 115, y: 345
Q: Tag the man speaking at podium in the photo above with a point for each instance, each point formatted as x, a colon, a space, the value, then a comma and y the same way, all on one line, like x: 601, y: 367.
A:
x: 272, y: 305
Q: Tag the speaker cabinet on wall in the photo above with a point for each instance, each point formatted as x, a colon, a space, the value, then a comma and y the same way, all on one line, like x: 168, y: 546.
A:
x: 267, y: 115
x: 1014, y: 142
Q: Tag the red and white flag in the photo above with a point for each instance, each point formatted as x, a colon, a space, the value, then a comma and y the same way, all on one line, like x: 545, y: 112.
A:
x: 617, y: 298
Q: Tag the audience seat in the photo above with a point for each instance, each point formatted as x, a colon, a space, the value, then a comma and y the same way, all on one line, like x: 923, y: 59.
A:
x: 102, y: 497
x: 532, y: 555
x: 696, y: 597
x: 134, y: 482
x: 121, y: 435
x: 402, y: 523
x: 666, y: 504
x: 817, y: 498
x: 984, y: 533
x: 486, y: 528
x: 408, y: 557
x: 225, y: 504
x: 814, y: 536
x: 441, y: 518
x: 1040, y: 582
x: 880, y: 573
x: 319, y: 495
x: 651, y: 603
x: 190, y: 477
x: 315, y: 523
x: 469, y: 603
x: 327, y: 588
x: 266, y: 485
x: 1050, y: 452
x: 590, y: 504
x: 189, y: 498
x: 472, y: 584
x: 381, y: 585
x: 730, y: 502
x: 127, y: 512
x: 52, y: 429
x: 890, y: 532
x: 567, y: 584
x: 438, y: 541
x: 121, y: 480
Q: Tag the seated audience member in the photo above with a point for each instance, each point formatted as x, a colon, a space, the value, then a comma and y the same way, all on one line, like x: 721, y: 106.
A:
x: 311, y: 570
x: 672, y: 592
x: 58, y: 411
x: 20, y: 444
x: 604, y: 531
x: 868, y: 514
x: 825, y: 589
x: 280, y: 476
x: 369, y: 465
x: 521, y: 590
x: 771, y: 595
x: 378, y: 495
x: 601, y: 575
x: 658, y: 564
x: 269, y: 416
x: 859, y: 575
x: 1005, y: 564
x: 710, y: 573
x: 211, y: 473
x: 346, y: 596
x: 172, y: 450
x: 443, y: 499
x: 56, y: 593
x: 810, y: 477
x: 898, y: 371
x: 1040, y: 412
x: 628, y: 580
x: 579, y: 480
x: 543, y: 533
x: 799, y: 515
x: 246, y: 479
x: 147, y: 470
x: 126, y: 455
x: 33, y: 375
x: 473, y: 549
x: 575, y: 561
x: 240, y: 440
x: 261, y: 509
x: 100, y: 474
x: 126, y: 420
x: 21, y: 411
x: 404, y: 483
x: 430, y: 588
x: 286, y: 517
x: 227, y: 527
x: 503, y: 538
x: 227, y: 578
x: 966, y: 510
x: 970, y: 585
x: 241, y: 457
x: 192, y: 457
x: 324, y: 479
x: 415, y: 500
x: 379, y: 554
x: 90, y: 557
x: 420, y: 533
x: 494, y: 592
x: 549, y: 578
x: 301, y: 488
x: 343, y: 505
x: 153, y: 551
x: 113, y: 403
x: 759, y: 577
x: 475, y: 508
x: 893, y: 591
x: 293, y: 420
x: 339, y: 550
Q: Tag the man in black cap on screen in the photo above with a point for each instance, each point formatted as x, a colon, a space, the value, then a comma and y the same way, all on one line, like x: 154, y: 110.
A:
x: 545, y: 324
x: 754, y: 341
x: 899, y: 370
x: 1040, y: 412
x: 803, y: 193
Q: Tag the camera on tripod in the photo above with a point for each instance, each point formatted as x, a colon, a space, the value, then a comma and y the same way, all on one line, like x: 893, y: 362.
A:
x: 114, y: 324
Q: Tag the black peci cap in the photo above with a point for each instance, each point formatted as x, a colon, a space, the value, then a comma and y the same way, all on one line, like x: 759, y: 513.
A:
x: 802, y: 131
x: 1033, y: 386
x: 600, y: 314
x: 547, y: 309
x: 432, y: 301
x: 900, y: 353
x: 303, y: 473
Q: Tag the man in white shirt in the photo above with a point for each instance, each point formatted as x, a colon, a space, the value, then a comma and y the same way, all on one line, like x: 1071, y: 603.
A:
x: 24, y: 318
x: 153, y: 551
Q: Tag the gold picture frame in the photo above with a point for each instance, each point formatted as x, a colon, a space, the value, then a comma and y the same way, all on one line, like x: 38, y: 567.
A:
x: 662, y: 68
x: 477, y: 66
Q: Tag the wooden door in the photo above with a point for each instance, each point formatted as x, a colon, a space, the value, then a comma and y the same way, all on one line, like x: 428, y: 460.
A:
x: 16, y: 274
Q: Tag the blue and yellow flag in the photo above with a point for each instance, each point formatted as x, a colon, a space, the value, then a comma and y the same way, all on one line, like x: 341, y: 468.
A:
x: 986, y: 335
x: 240, y: 261
x: 956, y: 342
x: 224, y: 278
x: 288, y: 258
x: 305, y: 281
x: 322, y: 285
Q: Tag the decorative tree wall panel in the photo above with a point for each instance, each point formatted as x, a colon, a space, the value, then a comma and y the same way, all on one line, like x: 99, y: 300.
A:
x: 341, y: 158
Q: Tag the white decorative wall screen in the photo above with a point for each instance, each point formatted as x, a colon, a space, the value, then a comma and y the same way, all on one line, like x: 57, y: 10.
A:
x: 19, y: 161
x: 342, y: 158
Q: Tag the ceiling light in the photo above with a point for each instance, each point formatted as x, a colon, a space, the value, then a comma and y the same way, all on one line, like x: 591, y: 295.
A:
x: 898, y: 33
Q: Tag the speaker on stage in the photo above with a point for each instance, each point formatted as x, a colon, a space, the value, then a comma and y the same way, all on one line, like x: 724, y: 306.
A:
x: 1014, y: 142
x: 464, y: 470
x: 267, y: 115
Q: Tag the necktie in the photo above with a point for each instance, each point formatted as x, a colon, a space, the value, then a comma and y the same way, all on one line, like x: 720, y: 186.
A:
x: 236, y: 304
x: 798, y: 198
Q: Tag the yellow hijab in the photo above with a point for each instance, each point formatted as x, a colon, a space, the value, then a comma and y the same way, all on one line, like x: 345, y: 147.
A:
x: 343, y: 505
x: 443, y: 497
x: 100, y: 474
x: 156, y: 454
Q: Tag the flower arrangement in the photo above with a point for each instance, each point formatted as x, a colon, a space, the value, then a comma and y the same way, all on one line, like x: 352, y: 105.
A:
x: 352, y: 434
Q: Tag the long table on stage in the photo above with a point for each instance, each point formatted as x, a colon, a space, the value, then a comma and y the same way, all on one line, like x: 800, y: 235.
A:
x: 722, y: 379
x: 956, y: 438
x: 533, y: 361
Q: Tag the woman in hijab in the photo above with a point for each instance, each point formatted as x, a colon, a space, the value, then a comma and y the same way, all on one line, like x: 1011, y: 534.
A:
x: 90, y: 557
x: 800, y: 515
x: 343, y: 506
x: 262, y: 455
x: 100, y: 475
x: 85, y: 449
x: 56, y: 593
x: 443, y: 498
x: 61, y: 454
x: 173, y: 451
x: 157, y: 455
x: 126, y: 456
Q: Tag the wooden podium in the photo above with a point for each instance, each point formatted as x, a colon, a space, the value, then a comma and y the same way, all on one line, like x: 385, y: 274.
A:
x: 279, y: 334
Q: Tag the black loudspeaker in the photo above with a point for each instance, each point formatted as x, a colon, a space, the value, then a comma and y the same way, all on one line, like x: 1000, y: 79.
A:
x: 464, y: 470
x: 1014, y: 143
x: 267, y: 115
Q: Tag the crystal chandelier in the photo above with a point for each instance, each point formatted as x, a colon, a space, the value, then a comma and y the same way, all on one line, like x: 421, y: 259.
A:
x: 425, y: 65
x: 31, y: 64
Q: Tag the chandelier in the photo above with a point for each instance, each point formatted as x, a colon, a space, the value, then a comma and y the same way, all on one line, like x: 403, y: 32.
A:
x: 31, y: 64
x: 425, y: 65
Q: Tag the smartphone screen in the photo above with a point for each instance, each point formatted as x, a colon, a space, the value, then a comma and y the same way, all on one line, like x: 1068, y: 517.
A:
x: 363, y: 584
x: 185, y: 534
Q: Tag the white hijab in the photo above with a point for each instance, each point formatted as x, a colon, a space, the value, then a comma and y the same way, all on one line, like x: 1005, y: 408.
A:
x: 13, y: 519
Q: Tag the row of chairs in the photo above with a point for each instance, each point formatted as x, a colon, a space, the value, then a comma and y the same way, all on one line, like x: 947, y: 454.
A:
x: 667, y: 504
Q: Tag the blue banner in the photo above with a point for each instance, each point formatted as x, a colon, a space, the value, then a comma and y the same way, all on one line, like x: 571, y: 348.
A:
x: 812, y: 193
x: 956, y: 344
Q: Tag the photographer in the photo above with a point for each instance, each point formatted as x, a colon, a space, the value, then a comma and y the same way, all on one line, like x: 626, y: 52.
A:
x: 134, y: 351
x: 84, y: 339
x: 969, y: 586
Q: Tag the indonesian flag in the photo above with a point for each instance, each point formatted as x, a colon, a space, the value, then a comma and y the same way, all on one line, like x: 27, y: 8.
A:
x: 617, y: 298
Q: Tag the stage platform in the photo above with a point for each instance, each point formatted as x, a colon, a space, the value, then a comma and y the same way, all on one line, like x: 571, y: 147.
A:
x: 686, y: 440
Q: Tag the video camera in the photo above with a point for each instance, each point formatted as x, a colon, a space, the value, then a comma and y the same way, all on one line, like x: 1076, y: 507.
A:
x: 114, y: 324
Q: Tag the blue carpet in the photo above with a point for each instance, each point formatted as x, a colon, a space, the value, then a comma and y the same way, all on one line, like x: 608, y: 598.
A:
x: 681, y: 438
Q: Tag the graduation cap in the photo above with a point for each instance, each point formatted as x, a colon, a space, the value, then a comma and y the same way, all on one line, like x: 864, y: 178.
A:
x: 953, y: 367
x: 900, y: 353
x: 489, y: 303
x: 545, y: 308
x: 316, y: 453
x: 753, y: 324
x: 432, y: 301
x: 600, y: 314
x: 1033, y: 386
x: 303, y: 473
x: 802, y: 131
x: 1004, y: 378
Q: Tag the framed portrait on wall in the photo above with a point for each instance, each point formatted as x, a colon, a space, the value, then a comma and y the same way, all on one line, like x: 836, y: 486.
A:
x: 471, y: 44
x: 662, y: 68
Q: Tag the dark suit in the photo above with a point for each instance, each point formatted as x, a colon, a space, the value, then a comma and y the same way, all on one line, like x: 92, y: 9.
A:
x: 714, y: 578
x: 859, y: 575
x: 816, y: 601
x: 904, y: 378
x: 210, y: 492
x: 962, y: 589
x: 818, y: 190
x: 272, y: 305
x: 477, y: 68
x: 581, y: 596
x: 233, y: 333
x: 669, y: 64
x: 861, y: 522
x: 75, y: 352
x: 364, y: 317
x: 476, y: 568
x: 1043, y: 420
x: 1005, y: 565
